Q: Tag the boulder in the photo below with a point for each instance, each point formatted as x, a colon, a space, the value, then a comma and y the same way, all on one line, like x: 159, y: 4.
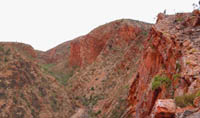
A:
x: 196, y: 102
x: 164, y: 108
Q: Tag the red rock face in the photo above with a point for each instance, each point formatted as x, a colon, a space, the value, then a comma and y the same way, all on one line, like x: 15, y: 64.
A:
x: 56, y: 54
x: 29, y: 50
x: 75, y: 54
x: 84, y: 50
x: 172, y: 48
x: 52, y: 54
x: 159, y: 58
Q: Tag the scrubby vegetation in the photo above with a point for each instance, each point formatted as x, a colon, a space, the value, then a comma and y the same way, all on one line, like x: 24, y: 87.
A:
x: 7, y: 52
x: 178, y: 67
x: 176, y: 76
x: 119, y: 109
x: 1, y: 49
x: 179, y: 19
x: 186, y: 100
x: 61, y: 77
x: 159, y: 80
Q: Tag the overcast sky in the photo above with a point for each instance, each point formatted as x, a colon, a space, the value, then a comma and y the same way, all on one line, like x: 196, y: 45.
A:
x: 47, y: 23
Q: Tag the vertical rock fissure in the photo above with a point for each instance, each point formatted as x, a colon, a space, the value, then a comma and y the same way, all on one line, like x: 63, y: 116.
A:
x: 155, y: 97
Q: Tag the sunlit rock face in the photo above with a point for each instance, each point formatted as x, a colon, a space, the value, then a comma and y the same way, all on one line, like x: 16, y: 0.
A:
x: 164, y: 108
x: 172, y: 50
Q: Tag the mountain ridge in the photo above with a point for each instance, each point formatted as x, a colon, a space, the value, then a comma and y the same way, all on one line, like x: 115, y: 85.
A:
x: 122, y: 69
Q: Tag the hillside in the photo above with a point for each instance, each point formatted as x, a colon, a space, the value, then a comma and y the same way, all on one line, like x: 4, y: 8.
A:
x: 102, y: 87
x: 103, y: 60
x: 71, y: 56
x: 122, y: 69
x: 47, y: 82
x: 25, y: 90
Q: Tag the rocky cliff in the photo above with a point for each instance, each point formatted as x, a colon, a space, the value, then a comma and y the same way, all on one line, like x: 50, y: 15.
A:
x: 169, y: 67
x: 122, y: 69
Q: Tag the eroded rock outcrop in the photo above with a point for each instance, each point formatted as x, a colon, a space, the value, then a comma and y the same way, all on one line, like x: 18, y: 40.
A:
x: 157, y: 59
x: 169, y: 66
x: 85, y: 49
x: 165, y: 108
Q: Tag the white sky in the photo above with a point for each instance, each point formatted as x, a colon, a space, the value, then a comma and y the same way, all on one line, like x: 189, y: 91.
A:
x: 47, y: 23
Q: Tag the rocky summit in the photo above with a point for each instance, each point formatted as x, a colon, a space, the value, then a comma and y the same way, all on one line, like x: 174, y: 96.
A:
x: 122, y: 69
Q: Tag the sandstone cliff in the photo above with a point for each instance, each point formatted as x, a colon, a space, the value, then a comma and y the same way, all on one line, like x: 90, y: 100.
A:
x: 169, y: 66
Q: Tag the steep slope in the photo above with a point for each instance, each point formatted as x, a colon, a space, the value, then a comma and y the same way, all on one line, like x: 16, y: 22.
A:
x: 169, y: 68
x: 123, y: 69
x: 101, y: 87
x: 25, y: 90
x: 23, y: 49
x: 89, y: 67
x: 57, y: 54
x: 71, y: 56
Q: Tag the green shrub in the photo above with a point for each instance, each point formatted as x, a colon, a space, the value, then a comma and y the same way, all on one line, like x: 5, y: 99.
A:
x: 178, y: 67
x: 176, y: 76
x: 93, y: 100
x: 119, y: 108
x: 179, y: 19
x: 92, y: 88
x: 14, y: 100
x: 145, y: 33
x: 5, y: 59
x: 54, y: 103
x: 63, y: 78
x: 1, y: 49
x: 158, y: 81
x: 185, y: 100
x: 46, y: 67
x: 93, y: 114
x: 7, y: 52
x: 198, y: 93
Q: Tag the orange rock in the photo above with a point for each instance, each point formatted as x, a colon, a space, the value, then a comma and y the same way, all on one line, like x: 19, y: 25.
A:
x: 160, y: 17
x: 85, y: 49
x: 164, y: 108
x: 75, y: 55
x: 186, y: 43
x: 196, y: 12
x: 157, y: 59
x: 196, y: 102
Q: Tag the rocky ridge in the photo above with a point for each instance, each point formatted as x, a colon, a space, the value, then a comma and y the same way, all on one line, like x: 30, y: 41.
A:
x: 123, y: 69
x: 25, y: 89
x: 173, y: 57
